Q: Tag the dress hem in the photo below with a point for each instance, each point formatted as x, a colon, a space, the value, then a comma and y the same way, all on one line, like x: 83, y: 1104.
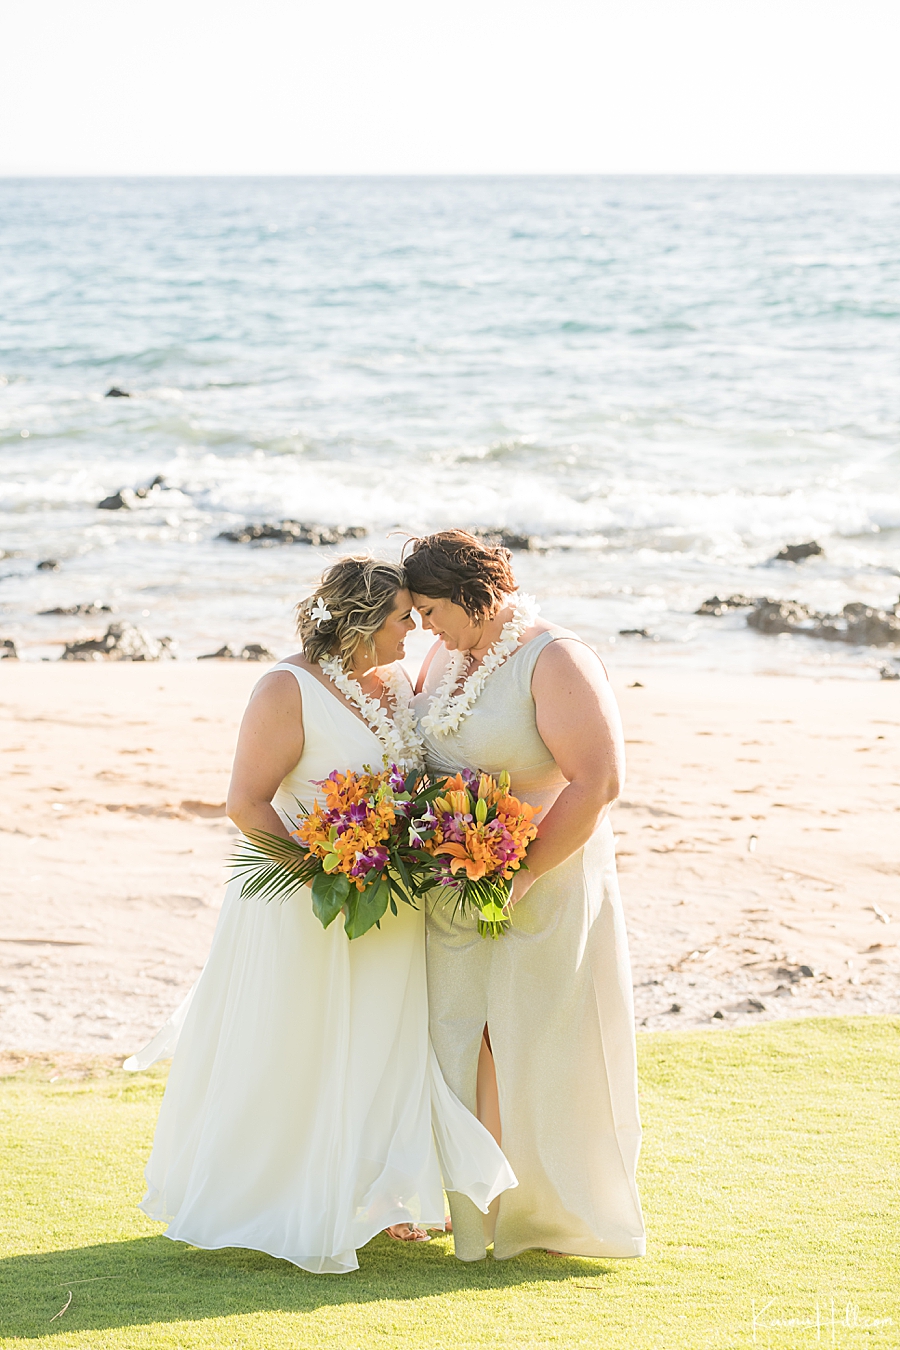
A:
x: 338, y: 1267
x: 585, y: 1256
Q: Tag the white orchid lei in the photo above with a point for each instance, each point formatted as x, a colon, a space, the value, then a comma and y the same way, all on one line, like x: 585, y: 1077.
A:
x: 398, y: 734
x: 448, y: 709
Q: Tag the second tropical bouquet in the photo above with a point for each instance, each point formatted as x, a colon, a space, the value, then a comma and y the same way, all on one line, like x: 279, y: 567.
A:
x: 476, y: 835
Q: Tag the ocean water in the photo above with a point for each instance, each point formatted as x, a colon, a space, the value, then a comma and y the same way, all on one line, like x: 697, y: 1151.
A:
x: 664, y: 380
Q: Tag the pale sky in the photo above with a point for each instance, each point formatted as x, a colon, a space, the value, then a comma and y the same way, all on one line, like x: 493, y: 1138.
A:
x: 461, y: 86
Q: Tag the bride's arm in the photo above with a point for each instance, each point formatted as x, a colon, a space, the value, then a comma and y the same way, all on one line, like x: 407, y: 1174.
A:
x: 270, y: 742
x: 579, y: 723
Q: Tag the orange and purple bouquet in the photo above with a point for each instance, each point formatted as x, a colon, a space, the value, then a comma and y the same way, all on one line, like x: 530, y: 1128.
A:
x: 476, y: 835
x: 352, y: 848
x: 373, y: 839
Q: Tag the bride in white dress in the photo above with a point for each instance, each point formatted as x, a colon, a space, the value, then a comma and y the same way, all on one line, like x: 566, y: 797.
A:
x: 305, y: 1110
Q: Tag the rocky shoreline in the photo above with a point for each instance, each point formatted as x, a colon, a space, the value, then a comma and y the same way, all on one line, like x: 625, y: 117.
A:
x: 857, y: 625
x: 128, y: 642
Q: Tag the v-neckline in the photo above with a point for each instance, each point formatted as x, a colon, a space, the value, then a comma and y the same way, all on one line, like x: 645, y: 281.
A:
x: 339, y: 700
x: 521, y: 648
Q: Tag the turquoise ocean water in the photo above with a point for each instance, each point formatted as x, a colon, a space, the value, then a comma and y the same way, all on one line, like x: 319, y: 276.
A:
x: 665, y: 380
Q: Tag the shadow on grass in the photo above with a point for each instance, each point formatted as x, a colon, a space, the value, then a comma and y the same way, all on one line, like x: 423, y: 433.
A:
x: 151, y: 1279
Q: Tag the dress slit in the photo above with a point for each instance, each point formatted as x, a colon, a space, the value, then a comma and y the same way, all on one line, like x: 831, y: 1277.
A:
x: 487, y: 1093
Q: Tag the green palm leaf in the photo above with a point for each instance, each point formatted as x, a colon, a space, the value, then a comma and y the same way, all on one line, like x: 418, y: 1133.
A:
x: 272, y: 866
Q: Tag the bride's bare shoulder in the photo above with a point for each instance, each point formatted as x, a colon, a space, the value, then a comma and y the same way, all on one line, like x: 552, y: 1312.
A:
x: 566, y: 658
x: 278, y: 686
x: 298, y: 659
x: 539, y: 626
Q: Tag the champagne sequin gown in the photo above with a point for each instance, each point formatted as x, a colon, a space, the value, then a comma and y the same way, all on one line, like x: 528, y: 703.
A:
x: 555, y: 994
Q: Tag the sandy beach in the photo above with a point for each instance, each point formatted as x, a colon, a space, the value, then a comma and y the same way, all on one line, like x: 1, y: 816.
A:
x: 758, y: 838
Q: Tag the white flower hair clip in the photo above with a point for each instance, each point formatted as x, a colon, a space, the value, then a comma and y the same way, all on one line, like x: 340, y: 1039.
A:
x: 320, y: 612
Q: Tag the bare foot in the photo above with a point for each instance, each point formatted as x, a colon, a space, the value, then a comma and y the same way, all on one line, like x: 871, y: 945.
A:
x: 407, y: 1232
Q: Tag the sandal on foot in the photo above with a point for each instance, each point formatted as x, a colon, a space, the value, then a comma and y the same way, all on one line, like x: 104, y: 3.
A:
x: 413, y: 1233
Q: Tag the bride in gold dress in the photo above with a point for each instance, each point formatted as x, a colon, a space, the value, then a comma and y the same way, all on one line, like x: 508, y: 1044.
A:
x: 535, y: 1031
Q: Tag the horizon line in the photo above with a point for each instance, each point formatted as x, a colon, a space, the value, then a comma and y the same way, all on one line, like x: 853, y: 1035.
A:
x: 78, y: 175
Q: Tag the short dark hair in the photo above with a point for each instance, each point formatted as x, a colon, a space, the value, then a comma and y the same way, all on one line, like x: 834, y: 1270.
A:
x: 454, y: 565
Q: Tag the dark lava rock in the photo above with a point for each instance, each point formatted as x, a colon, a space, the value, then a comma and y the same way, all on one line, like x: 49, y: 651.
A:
x: 225, y: 653
x: 675, y: 1008
x: 120, y: 642
x: 858, y: 624
x: 254, y: 651
x: 871, y: 627
x: 501, y: 538
x: 158, y: 481
x: 634, y: 632
x: 795, y: 973
x: 48, y: 565
x: 154, y: 482
x: 781, y: 616
x: 797, y: 552
x: 8, y: 650
x: 79, y: 611
x: 748, y: 1005
x: 719, y: 1016
x: 717, y: 606
x: 124, y: 498
x: 116, y: 392
x: 294, y: 532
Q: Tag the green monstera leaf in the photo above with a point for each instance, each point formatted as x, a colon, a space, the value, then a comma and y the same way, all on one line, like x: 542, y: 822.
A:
x: 329, y: 895
x: 365, y: 908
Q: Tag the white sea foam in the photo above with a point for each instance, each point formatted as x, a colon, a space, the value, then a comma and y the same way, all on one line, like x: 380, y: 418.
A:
x: 665, y: 381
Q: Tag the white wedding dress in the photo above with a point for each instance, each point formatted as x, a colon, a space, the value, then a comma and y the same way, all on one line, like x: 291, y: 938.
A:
x: 305, y: 1110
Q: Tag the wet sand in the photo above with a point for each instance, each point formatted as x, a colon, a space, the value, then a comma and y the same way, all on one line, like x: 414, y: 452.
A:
x: 759, y: 846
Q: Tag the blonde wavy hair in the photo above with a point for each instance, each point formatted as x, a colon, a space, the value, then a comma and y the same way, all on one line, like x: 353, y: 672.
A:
x: 359, y: 593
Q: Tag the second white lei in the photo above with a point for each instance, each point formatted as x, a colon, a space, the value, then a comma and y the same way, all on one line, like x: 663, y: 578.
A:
x: 447, y: 709
x: 398, y: 734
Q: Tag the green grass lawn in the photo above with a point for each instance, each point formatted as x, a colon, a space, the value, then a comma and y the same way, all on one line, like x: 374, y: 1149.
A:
x: 769, y: 1177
